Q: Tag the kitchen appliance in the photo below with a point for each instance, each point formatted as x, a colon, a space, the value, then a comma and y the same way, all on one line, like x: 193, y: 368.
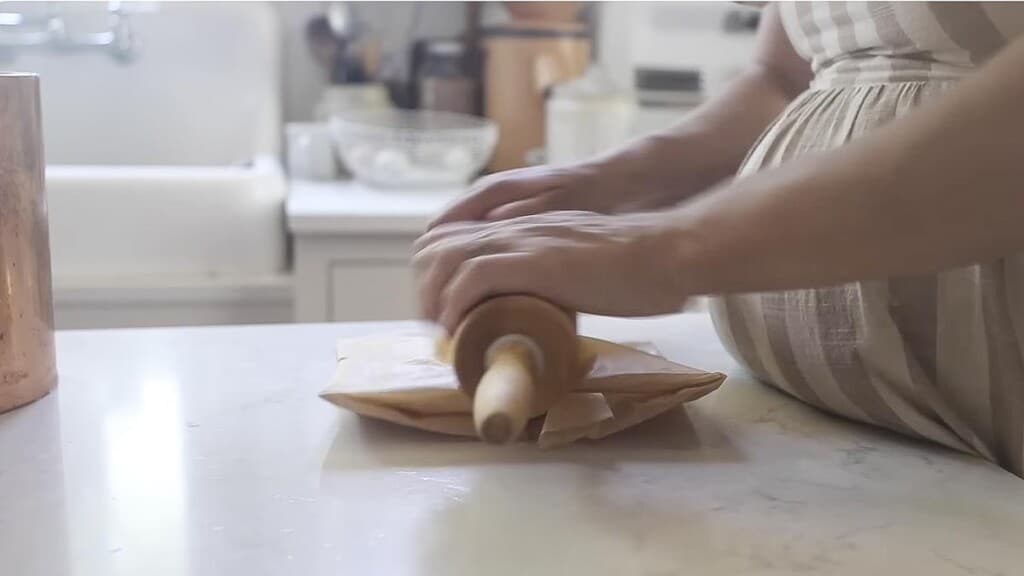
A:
x: 403, y: 149
x: 691, y: 46
x: 673, y: 55
x: 28, y: 366
x: 522, y: 61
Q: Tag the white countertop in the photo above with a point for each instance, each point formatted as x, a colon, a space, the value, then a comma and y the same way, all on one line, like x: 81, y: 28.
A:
x: 207, y: 451
x: 341, y: 207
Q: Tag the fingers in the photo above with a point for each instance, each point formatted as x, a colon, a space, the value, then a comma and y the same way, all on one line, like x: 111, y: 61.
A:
x: 482, y: 197
x: 481, y: 278
x: 439, y: 234
x: 435, y: 266
x: 487, y: 194
x: 454, y: 275
x: 472, y: 206
x: 535, y: 205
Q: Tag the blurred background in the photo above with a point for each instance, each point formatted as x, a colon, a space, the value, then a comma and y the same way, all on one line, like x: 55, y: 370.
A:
x: 253, y: 162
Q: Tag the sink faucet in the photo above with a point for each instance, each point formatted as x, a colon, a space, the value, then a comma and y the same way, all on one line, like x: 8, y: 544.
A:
x: 19, y: 31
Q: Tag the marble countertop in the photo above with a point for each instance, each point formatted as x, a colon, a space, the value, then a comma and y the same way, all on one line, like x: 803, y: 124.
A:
x: 206, y: 451
x: 340, y: 207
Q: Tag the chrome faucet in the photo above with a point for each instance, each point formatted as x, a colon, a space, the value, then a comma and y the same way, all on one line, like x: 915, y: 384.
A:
x: 19, y: 31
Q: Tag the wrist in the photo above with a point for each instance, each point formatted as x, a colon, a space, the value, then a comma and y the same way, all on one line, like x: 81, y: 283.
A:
x: 685, y: 255
x: 640, y: 164
x: 667, y: 167
x: 669, y: 249
x: 632, y: 176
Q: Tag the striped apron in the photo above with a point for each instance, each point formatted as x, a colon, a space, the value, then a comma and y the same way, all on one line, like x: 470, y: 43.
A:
x: 940, y: 356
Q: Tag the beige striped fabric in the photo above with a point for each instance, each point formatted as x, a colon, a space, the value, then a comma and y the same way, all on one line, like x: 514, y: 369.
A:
x: 939, y: 357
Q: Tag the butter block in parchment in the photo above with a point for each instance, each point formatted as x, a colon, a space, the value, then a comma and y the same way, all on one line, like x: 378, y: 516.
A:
x: 407, y: 378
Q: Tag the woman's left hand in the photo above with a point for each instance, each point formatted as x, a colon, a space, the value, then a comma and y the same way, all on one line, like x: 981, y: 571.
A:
x: 623, y: 265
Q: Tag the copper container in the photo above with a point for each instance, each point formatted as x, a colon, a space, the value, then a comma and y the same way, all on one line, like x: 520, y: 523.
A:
x: 522, y: 62
x: 28, y: 364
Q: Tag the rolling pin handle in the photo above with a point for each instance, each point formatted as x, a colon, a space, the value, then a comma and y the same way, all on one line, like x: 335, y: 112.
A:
x: 504, y: 396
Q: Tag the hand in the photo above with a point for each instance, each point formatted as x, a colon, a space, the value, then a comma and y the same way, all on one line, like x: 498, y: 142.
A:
x: 592, y: 187
x: 612, y: 265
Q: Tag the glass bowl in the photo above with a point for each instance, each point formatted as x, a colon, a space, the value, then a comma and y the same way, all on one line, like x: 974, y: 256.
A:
x: 413, y: 148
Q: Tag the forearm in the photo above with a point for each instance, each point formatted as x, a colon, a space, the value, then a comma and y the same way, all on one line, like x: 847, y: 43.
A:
x: 709, y: 144
x: 706, y: 147
x: 940, y: 188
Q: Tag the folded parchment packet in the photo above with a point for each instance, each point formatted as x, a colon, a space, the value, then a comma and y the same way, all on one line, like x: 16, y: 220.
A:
x: 403, y: 378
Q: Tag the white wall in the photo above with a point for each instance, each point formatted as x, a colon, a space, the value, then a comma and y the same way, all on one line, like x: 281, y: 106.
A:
x: 211, y: 81
x: 204, y: 64
x: 203, y: 88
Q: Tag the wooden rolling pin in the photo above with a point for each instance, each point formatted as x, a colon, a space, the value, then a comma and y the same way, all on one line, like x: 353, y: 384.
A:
x: 515, y: 356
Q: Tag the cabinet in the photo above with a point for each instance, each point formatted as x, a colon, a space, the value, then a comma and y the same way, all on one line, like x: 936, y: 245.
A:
x: 352, y: 247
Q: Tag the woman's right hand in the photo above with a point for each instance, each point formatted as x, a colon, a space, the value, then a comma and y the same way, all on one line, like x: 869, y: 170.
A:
x: 705, y: 148
x: 590, y: 187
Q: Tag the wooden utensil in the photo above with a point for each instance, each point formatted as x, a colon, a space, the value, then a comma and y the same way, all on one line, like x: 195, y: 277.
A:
x: 515, y: 356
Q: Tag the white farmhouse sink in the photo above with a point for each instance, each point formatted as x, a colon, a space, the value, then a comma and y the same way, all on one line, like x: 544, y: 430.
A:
x: 122, y: 222
x: 168, y: 245
x: 157, y: 214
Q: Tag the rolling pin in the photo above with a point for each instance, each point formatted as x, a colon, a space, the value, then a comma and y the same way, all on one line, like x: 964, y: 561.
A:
x: 515, y: 356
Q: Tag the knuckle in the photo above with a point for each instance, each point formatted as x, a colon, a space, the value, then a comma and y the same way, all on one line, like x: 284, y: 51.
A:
x: 423, y: 258
x: 424, y: 241
x: 474, y: 278
x: 445, y: 230
x: 488, y: 266
x: 501, y: 185
x: 469, y: 272
x: 484, y: 184
x: 432, y: 242
x: 451, y: 253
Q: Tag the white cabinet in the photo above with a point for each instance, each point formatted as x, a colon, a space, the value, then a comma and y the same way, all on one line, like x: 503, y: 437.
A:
x: 371, y: 290
x: 352, y: 248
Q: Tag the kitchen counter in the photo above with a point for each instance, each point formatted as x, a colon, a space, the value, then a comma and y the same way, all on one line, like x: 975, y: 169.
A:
x: 349, y: 206
x: 352, y: 247
x: 207, y: 451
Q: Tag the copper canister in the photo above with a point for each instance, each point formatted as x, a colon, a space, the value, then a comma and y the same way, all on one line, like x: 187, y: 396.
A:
x: 523, y: 61
x: 28, y: 364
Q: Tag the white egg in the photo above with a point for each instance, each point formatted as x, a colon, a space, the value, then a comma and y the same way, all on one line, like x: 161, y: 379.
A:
x: 431, y: 154
x: 458, y: 159
x: 359, y: 157
x: 390, y: 162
